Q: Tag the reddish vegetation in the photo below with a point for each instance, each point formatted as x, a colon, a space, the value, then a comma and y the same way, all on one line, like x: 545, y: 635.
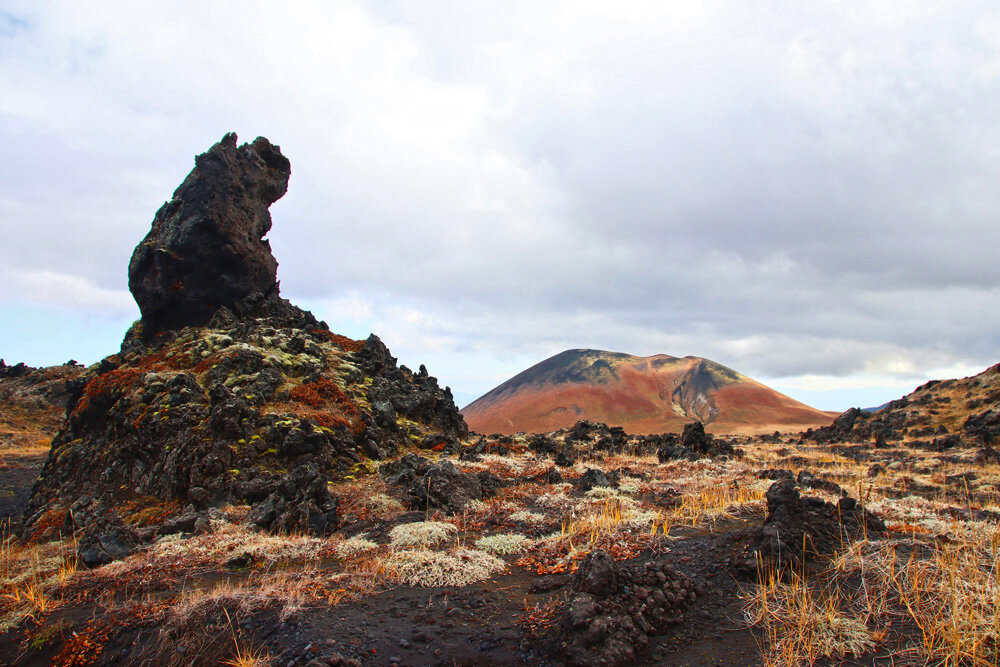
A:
x: 642, y: 394
x: 330, y: 405
x: 343, y: 342
x: 104, y: 387
x: 85, y: 647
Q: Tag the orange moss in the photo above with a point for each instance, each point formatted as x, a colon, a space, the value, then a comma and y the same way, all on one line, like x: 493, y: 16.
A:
x: 343, y: 342
x: 561, y: 557
x: 319, y: 393
x: 326, y: 404
x: 107, y: 385
x: 206, y: 363
x: 84, y: 647
x: 52, y: 518
x: 159, y: 361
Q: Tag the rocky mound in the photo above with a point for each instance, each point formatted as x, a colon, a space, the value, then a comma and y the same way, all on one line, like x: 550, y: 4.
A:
x: 956, y: 412
x: 614, y: 607
x: 643, y: 395
x: 262, y: 405
x: 39, y: 389
x: 801, y: 528
x: 438, y: 485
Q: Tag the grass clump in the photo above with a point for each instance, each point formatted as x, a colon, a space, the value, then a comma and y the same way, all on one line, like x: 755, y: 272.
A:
x: 353, y: 546
x: 432, y: 569
x: 504, y: 544
x: 421, y: 534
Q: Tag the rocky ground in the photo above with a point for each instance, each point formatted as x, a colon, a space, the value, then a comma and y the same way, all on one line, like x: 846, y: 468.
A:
x: 497, y: 554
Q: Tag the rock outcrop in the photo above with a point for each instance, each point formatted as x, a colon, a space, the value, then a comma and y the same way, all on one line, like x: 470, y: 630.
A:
x: 206, y: 249
x: 941, y: 414
x: 799, y: 528
x: 224, y: 392
x: 615, y: 607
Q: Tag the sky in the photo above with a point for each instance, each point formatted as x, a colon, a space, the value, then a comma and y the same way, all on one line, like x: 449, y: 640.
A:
x: 804, y: 192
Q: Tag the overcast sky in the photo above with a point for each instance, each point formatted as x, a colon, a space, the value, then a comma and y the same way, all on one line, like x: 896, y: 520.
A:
x: 806, y: 192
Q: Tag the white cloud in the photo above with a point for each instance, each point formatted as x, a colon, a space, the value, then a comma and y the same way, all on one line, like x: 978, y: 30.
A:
x: 48, y: 288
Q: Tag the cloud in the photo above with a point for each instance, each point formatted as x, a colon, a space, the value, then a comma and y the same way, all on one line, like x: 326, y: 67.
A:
x: 51, y: 289
x: 801, y: 191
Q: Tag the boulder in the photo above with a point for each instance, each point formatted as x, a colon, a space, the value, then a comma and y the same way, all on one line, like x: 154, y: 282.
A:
x: 799, y: 528
x: 613, y: 608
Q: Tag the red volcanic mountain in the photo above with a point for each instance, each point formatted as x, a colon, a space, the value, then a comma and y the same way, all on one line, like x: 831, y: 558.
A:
x: 655, y: 394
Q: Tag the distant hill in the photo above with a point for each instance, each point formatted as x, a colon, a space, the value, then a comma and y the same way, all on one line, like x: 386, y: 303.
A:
x: 654, y: 394
x: 965, y: 407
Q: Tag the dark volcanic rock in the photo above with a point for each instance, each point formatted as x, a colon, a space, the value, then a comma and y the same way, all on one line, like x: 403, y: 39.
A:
x: 803, y: 527
x: 592, y: 477
x: 105, y: 541
x: 261, y: 404
x: 694, y: 443
x: 615, y: 607
x: 206, y: 249
x: 415, y: 396
x: 444, y: 486
x: 438, y: 485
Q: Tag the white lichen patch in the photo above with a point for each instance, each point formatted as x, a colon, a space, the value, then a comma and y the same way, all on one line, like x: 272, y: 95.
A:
x: 555, y: 501
x: 604, y: 494
x: 504, y: 544
x: 227, y: 541
x: 628, y: 486
x: 354, y: 546
x: 421, y: 534
x: 431, y: 569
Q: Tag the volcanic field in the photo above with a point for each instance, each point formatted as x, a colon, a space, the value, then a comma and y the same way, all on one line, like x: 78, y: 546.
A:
x: 241, y: 485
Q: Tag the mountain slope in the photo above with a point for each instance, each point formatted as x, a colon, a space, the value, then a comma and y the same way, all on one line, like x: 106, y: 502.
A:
x: 643, y: 394
x: 965, y: 407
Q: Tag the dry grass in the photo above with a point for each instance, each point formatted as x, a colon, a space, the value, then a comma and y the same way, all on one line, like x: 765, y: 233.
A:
x: 941, y: 598
x: 227, y: 541
x: 31, y: 578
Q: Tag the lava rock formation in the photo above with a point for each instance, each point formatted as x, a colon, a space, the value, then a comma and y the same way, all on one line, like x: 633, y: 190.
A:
x: 206, y: 248
x: 224, y: 392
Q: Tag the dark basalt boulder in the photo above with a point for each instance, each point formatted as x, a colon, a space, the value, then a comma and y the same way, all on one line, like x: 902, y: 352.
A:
x: 984, y: 427
x: 801, y: 528
x: 206, y: 249
x: 592, y: 477
x: 438, y: 485
x: 445, y: 487
x: 694, y: 443
x: 614, y: 607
